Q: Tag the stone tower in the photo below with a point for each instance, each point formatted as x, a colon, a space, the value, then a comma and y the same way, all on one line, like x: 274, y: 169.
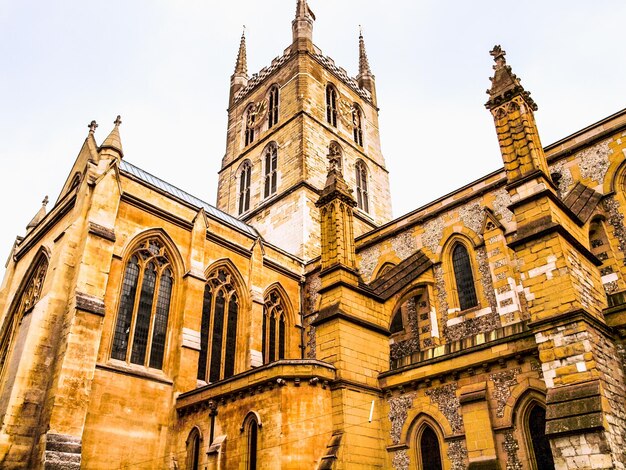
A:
x: 283, y: 122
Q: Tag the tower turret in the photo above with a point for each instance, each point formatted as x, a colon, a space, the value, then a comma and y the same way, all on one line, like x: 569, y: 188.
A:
x: 302, y: 27
x: 239, y: 79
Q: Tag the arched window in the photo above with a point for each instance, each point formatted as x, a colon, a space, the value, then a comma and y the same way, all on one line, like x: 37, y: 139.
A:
x: 464, y: 278
x: 331, y: 105
x: 220, y: 310
x: 274, y: 323
x: 144, y: 307
x: 540, y: 445
x: 429, y: 450
x: 244, y: 187
x: 357, y: 125
x: 250, y: 118
x: 271, y: 173
x: 23, y: 303
x: 361, y: 186
x: 251, y: 427
x: 193, y: 450
x: 273, y: 107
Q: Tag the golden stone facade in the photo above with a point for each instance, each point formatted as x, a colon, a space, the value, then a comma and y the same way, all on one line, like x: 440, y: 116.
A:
x: 295, y: 326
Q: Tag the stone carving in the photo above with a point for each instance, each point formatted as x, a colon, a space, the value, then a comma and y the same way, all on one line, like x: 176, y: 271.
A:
x: 448, y: 403
x: 501, y: 205
x: 511, y: 446
x: 400, y: 460
x: 369, y: 260
x: 398, y: 412
x: 503, y: 382
x: 457, y: 453
x: 594, y: 161
x: 404, y: 244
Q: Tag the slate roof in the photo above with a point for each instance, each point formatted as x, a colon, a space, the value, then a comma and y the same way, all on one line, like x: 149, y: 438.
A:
x: 401, y: 275
x: 582, y: 201
x: 172, y: 190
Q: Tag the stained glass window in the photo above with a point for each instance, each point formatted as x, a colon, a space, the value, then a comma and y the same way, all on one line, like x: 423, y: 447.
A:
x: 464, y: 277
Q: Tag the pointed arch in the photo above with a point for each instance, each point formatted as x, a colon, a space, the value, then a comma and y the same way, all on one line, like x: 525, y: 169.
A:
x: 362, y: 184
x: 427, y: 420
x: 273, y: 106
x: 530, y: 421
x: 335, y: 150
x: 277, y: 318
x: 244, y: 175
x: 152, y: 265
x: 331, y: 104
x: 250, y: 124
x: 250, y: 429
x: 270, y: 169
x: 461, y: 273
x: 193, y: 446
x: 222, y: 303
x: 357, y: 124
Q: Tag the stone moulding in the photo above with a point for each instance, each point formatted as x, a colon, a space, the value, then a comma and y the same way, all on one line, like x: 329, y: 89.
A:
x: 101, y: 231
x: 89, y: 303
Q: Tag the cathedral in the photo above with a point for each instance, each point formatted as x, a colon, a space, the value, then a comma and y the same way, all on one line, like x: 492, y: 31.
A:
x: 295, y: 325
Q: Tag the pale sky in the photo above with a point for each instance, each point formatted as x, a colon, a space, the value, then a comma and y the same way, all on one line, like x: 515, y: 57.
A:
x: 164, y: 65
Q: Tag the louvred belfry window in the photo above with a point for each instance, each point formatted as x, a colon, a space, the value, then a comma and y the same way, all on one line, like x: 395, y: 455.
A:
x: 331, y: 105
x: 250, y: 120
x: 142, y: 318
x: 362, y: 197
x: 466, y: 290
x: 271, y: 170
x: 273, y: 107
x: 273, y: 337
x: 244, y: 187
x: 357, y: 123
x: 218, y: 335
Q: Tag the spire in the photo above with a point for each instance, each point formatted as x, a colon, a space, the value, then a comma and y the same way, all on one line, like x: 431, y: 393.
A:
x: 302, y: 26
x: 505, y: 84
x: 365, y: 78
x: 241, y: 67
x: 364, y: 66
x: 113, y: 141
x: 39, y: 216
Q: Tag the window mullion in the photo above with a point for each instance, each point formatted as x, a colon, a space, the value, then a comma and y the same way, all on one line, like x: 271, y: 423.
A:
x: 133, y: 321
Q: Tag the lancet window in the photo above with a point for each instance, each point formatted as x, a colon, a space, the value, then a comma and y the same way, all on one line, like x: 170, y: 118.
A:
x: 274, y: 321
x: 466, y: 291
x: 331, y: 105
x: 362, y: 197
x: 271, y: 170
x: 250, y: 118
x: 357, y: 125
x: 429, y: 450
x: 218, y: 334
x: 244, y: 187
x: 273, y: 107
x: 143, y: 311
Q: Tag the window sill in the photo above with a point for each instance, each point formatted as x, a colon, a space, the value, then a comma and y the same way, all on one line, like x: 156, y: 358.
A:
x: 135, y: 371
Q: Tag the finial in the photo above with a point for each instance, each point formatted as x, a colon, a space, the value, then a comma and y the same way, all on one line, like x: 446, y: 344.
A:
x: 44, y: 203
x: 118, y: 121
x: 360, y: 31
x: 498, y: 56
x: 92, y: 126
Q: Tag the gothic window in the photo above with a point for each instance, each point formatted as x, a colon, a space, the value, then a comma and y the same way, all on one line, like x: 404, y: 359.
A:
x: 464, y: 278
x: 271, y: 173
x: 250, y: 120
x: 25, y: 301
x: 142, y: 317
x: 273, y: 107
x: 250, y: 428
x: 244, y: 187
x: 540, y: 445
x: 362, y: 197
x: 357, y: 125
x: 218, y: 335
x: 274, y: 321
x: 331, y: 105
x: 429, y: 450
x: 193, y: 450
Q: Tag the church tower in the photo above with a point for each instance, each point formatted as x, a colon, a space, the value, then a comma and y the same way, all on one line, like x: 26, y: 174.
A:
x: 283, y: 123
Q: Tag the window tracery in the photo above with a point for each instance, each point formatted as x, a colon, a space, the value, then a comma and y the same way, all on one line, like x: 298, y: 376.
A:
x: 274, y: 323
x: 143, y: 312
x: 220, y: 312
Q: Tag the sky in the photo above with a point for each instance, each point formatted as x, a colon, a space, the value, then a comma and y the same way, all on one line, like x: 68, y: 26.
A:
x: 164, y: 66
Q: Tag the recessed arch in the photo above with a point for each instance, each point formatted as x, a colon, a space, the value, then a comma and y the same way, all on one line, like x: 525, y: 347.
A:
x: 193, y: 446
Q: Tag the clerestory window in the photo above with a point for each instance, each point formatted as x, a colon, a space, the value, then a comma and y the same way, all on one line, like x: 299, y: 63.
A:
x: 143, y: 312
